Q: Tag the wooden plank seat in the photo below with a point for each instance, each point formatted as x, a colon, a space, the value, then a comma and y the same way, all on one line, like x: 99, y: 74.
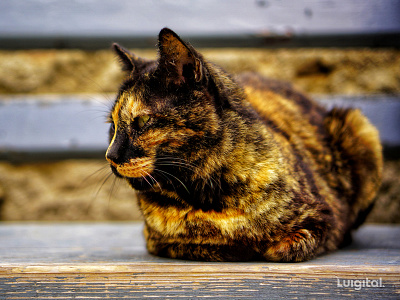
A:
x: 109, y: 260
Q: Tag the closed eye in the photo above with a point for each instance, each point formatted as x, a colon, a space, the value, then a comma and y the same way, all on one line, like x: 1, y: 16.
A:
x: 142, y: 120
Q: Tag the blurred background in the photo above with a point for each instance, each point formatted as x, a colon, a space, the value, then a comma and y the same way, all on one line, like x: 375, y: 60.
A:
x: 58, y: 78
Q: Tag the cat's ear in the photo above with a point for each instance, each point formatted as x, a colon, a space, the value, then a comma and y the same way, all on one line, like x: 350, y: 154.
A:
x: 181, y: 61
x: 127, y: 58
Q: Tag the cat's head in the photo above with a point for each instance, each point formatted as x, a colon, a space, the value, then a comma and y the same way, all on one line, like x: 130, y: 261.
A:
x: 166, y: 114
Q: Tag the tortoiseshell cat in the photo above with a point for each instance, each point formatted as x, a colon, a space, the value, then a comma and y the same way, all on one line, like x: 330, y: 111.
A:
x: 237, y: 169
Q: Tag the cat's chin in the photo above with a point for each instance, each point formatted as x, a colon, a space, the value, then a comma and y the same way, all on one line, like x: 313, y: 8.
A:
x: 139, y: 184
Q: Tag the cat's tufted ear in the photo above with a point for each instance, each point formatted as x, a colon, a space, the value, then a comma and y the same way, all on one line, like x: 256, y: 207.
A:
x: 127, y: 58
x: 182, y: 62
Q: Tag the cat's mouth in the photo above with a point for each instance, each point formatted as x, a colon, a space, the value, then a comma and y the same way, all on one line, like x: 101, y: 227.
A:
x: 135, y: 168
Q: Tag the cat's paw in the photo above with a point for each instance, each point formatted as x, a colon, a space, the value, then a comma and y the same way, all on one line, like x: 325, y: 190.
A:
x: 296, y: 247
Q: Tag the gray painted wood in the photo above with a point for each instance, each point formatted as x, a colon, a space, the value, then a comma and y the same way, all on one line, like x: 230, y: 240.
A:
x: 109, y: 260
x: 94, y: 24
x: 65, y: 126
x: 45, y: 124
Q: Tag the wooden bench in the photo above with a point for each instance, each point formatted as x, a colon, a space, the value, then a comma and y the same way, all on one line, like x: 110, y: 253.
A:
x: 97, y: 261
x: 109, y: 260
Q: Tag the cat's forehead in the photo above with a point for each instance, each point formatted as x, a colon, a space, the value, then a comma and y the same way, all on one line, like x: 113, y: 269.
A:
x: 142, y: 94
x: 128, y: 106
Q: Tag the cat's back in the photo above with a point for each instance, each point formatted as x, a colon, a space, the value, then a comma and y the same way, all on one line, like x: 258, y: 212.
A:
x: 279, y: 97
x: 341, y: 142
x: 284, y: 109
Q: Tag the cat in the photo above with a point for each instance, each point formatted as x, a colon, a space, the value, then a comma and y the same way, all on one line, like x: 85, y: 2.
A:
x: 237, y: 169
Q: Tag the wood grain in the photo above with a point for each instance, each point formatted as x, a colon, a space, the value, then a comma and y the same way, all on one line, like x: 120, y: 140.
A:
x: 47, y: 131
x: 95, y: 24
x: 97, y: 261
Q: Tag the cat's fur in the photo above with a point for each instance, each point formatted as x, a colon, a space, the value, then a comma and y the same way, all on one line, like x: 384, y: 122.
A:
x: 237, y: 169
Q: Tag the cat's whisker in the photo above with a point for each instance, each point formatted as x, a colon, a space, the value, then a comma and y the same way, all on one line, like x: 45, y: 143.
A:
x: 106, y: 178
x: 153, y: 179
x: 176, y: 164
x: 144, y: 177
x: 175, y: 178
x: 102, y: 169
x: 176, y: 160
x: 107, y: 95
x: 94, y: 115
x: 95, y: 85
x: 112, y: 189
x: 166, y: 177
x: 172, y: 161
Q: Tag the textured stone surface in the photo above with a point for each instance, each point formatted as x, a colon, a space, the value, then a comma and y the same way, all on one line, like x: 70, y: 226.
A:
x: 313, y: 70
x: 72, y: 190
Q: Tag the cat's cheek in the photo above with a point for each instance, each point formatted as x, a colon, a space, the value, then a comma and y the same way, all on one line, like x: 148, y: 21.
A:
x: 136, y: 168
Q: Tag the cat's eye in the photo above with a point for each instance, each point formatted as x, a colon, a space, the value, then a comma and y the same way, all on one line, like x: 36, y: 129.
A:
x: 142, y: 120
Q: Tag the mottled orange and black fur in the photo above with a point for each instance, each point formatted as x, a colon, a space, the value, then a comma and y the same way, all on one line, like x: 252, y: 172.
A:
x: 237, y: 169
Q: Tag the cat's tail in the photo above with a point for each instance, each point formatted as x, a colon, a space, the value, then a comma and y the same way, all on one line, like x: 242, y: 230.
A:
x: 358, y: 158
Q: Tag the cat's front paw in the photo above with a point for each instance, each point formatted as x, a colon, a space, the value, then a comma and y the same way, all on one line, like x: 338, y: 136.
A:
x: 298, y: 246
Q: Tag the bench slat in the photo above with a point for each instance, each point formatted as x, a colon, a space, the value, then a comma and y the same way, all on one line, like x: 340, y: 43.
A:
x: 94, y: 24
x: 73, y: 126
x: 110, y: 260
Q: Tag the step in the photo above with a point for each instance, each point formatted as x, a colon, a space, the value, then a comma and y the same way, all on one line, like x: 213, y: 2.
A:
x: 109, y: 260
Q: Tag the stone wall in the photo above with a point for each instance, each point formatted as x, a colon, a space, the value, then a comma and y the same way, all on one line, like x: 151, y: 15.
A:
x: 312, y: 70
x: 74, y: 190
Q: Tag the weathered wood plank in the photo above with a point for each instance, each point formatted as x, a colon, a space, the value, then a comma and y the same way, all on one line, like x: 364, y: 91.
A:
x: 94, y: 24
x: 110, y: 261
x: 60, y: 126
x: 45, y: 124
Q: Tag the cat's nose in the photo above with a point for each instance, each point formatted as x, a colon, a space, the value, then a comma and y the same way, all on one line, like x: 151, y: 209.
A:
x: 114, y: 152
x: 112, y: 155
